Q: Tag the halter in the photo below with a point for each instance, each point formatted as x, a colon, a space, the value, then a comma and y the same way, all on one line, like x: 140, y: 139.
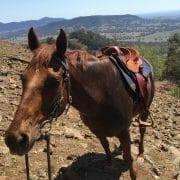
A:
x: 58, y: 103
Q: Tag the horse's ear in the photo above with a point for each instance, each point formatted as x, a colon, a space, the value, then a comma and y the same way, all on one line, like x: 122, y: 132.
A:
x: 61, y: 43
x: 33, y: 40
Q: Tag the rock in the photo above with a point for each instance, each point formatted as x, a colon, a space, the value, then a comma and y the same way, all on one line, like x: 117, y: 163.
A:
x: 72, y: 157
x: 146, y: 157
x: 165, y: 116
x: 174, y: 151
x: 84, y: 145
x: 72, y: 133
x: 4, y: 71
x: 4, y: 150
x: 140, y: 159
x: 63, y: 168
x: 88, y: 135
x: 34, y: 177
x: 57, y: 132
x: 156, y: 177
x: 12, y: 86
x: 156, y: 171
x: 3, y: 178
x: 178, y: 176
x: 164, y: 147
x: 177, y: 137
x: 176, y: 112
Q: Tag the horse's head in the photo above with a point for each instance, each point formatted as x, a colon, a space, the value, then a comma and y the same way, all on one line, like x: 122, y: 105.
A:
x: 43, y: 83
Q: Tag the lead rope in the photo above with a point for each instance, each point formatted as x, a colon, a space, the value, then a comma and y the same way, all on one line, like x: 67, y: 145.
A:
x: 47, y: 138
x: 27, y: 166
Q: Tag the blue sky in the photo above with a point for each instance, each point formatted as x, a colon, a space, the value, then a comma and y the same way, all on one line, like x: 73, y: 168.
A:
x: 18, y: 10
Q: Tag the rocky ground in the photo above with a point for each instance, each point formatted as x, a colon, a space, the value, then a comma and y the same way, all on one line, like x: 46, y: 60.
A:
x: 76, y: 152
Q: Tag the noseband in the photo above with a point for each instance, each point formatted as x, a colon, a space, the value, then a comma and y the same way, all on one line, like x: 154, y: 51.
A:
x: 58, y: 103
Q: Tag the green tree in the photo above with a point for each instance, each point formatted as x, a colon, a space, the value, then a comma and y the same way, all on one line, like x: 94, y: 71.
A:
x: 50, y: 40
x: 172, y: 70
x: 92, y: 40
x: 75, y: 44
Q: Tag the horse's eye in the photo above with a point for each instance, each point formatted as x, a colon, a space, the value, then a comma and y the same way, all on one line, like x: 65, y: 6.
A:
x: 51, y: 82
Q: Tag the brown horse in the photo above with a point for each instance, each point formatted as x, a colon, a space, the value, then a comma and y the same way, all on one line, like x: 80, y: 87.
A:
x: 97, y: 91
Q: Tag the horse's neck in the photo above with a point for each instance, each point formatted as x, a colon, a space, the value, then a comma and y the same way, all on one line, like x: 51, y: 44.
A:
x: 89, y: 84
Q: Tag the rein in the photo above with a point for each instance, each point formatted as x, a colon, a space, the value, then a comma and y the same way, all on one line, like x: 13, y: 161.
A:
x: 45, y: 135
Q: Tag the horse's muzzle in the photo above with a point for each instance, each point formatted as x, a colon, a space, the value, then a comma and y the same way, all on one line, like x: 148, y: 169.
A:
x: 18, y: 143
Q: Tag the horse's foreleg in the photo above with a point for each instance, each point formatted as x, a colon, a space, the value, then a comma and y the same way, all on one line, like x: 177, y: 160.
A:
x: 105, y: 145
x: 142, y: 130
x: 126, y: 145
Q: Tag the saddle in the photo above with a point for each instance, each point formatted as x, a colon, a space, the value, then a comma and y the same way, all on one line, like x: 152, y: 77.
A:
x: 131, y: 65
x: 129, y: 56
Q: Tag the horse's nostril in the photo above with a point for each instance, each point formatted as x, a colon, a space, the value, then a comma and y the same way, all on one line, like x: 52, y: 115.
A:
x: 17, y: 144
x: 23, y: 141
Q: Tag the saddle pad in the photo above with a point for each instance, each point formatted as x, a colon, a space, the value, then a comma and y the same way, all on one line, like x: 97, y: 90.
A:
x: 146, y: 68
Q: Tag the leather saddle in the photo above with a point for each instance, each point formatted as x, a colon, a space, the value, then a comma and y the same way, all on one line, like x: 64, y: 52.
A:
x: 129, y: 56
x: 134, y: 69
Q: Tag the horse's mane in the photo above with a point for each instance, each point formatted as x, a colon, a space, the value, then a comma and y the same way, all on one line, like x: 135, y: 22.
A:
x: 79, y: 58
x: 76, y: 58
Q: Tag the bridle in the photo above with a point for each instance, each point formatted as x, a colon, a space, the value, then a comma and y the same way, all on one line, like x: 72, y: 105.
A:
x: 58, y: 103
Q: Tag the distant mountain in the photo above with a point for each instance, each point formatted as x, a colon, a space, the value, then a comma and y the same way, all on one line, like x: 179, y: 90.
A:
x: 17, y: 27
x: 97, y: 23
x: 26, y: 24
x: 121, y: 27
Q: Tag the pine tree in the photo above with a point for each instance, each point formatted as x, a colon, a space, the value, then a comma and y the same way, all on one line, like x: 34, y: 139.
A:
x: 172, y: 70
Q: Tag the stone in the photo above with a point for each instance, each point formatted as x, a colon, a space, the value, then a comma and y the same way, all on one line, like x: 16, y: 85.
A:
x: 165, y: 116
x: 156, y: 177
x: 56, y: 132
x: 156, y: 171
x: 178, y: 176
x: 147, y: 158
x: 4, y: 150
x: 84, y: 145
x: 177, y: 137
x: 72, y: 157
x: 164, y: 148
x: 72, y: 133
x: 88, y: 136
x: 3, y: 178
x: 34, y: 177
x: 174, y: 151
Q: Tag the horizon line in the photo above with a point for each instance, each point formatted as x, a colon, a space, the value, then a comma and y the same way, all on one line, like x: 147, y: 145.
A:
x: 66, y: 18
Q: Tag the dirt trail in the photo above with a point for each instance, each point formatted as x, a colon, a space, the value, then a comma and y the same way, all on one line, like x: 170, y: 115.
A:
x: 76, y: 147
